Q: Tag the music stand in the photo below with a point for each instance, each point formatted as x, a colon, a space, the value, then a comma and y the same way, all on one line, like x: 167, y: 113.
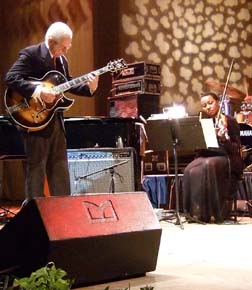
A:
x: 185, y: 134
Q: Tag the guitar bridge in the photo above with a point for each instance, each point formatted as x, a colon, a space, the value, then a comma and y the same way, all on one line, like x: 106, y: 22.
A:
x: 18, y: 107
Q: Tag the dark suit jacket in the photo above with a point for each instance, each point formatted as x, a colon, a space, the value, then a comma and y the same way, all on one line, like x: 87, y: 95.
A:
x: 35, y: 61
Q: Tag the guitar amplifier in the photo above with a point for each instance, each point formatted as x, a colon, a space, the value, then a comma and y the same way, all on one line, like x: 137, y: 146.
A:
x: 97, y: 170
x: 141, y: 85
x: 137, y: 69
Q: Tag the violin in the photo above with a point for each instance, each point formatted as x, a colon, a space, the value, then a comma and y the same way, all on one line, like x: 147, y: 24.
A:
x: 221, y: 127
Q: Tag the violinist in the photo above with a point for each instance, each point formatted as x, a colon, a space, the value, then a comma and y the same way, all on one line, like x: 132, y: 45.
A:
x: 211, y: 179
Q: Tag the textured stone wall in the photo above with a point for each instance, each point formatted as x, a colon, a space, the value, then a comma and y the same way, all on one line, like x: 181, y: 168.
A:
x: 194, y: 41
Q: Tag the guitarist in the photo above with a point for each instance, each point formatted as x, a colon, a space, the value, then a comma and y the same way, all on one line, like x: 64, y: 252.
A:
x: 46, y: 149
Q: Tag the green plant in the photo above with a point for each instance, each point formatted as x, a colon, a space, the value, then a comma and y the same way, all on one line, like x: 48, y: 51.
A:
x: 45, y: 278
x: 50, y: 278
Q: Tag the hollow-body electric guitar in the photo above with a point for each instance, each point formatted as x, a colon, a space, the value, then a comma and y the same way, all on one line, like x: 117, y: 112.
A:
x: 33, y: 115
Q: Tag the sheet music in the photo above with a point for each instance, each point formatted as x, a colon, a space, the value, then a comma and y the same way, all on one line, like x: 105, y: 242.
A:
x: 209, y: 133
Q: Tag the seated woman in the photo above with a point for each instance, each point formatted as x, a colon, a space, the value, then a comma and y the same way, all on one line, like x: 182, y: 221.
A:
x: 211, y: 179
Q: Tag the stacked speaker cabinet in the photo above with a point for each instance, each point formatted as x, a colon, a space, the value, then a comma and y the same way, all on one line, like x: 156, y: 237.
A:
x: 135, y: 91
x: 98, y: 170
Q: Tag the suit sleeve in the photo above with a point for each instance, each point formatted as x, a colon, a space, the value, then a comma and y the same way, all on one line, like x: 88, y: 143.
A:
x: 21, y: 70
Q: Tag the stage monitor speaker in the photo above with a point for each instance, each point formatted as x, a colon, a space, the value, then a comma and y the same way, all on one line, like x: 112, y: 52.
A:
x: 91, y: 170
x: 94, y: 238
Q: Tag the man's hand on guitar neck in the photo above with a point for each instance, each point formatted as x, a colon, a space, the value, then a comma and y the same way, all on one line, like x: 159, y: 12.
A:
x: 92, y: 82
x: 44, y: 95
x: 248, y: 99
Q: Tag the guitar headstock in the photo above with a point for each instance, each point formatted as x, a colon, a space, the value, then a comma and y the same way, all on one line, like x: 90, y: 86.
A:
x: 116, y: 65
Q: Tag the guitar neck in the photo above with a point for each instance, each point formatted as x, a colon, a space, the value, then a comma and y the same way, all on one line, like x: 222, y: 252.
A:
x: 80, y: 80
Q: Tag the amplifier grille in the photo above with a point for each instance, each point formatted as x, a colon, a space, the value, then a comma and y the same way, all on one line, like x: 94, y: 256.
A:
x: 91, y: 170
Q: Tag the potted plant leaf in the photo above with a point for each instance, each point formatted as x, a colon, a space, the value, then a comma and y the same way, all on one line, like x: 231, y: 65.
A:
x: 48, y: 277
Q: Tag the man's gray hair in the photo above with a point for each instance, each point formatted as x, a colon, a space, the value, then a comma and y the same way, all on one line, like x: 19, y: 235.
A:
x: 57, y: 30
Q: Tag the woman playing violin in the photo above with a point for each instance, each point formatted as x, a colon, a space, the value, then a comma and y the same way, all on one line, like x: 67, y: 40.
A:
x: 211, y: 179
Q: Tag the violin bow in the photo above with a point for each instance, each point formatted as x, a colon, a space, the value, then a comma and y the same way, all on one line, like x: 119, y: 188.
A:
x: 245, y: 84
x: 224, y: 93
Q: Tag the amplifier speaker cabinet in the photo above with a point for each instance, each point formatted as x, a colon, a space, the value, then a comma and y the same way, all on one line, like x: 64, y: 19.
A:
x: 101, y: 170
x: 134, y: 105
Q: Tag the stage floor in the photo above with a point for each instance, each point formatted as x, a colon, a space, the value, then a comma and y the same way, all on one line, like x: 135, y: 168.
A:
x: 198, y: 257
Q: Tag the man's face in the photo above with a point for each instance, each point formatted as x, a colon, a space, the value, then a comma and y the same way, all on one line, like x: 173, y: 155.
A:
x: 60, y: 47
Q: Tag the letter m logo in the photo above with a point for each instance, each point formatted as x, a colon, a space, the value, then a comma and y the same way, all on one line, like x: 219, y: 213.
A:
x: 99, y: 213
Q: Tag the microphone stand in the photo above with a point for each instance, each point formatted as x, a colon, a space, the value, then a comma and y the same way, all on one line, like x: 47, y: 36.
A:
x: 112, y: 183
x: 112, y: 173
x: 178, y: 221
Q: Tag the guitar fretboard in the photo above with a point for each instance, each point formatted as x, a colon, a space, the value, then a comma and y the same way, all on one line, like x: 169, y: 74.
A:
x: 82, y: 79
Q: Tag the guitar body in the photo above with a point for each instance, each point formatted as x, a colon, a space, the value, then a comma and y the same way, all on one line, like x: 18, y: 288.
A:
x: 32, y: 115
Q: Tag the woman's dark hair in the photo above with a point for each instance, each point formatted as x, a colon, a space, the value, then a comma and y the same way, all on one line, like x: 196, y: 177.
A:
x: 210, y: 94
